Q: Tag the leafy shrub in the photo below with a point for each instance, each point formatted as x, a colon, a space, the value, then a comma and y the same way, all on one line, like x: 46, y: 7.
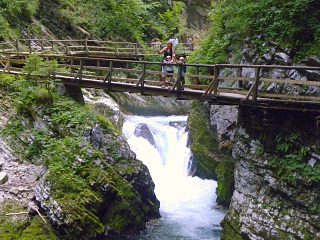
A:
x: 292, y: 163
x: 36, y: 65
x: 290, y: 24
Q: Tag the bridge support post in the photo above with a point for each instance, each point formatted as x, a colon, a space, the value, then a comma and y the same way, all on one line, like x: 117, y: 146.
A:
x: 74, y: 92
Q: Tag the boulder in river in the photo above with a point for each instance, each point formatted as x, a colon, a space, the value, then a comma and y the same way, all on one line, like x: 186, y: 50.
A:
x: 142, y: 130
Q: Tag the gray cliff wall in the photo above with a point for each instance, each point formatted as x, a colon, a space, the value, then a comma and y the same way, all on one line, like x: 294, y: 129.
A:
x: 276, y: 182
x: 276, y: 160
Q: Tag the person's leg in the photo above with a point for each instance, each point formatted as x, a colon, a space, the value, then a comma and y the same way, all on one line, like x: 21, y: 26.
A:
x: 170, y: 77
x: 182, y: 80
x: 163, y: 77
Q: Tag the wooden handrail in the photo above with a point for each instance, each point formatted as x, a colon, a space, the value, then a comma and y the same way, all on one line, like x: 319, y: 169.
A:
x: 144, y: 75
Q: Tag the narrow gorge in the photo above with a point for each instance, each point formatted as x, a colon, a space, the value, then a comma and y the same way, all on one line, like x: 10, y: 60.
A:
x: 119, y: 165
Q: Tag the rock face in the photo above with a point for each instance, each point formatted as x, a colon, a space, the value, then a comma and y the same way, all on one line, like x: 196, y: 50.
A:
x: 142, y: 130
x: 197, y: 14
x: 275, y: 157
x: 276, y: 189
x: 150, y: 105
x: 79, y: 171
x: 211, y: 135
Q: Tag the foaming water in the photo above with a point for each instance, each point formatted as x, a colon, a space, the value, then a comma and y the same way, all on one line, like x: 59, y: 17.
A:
x: 187, y: 204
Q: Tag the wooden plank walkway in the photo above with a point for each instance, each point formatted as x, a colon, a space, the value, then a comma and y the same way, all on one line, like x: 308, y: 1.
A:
x: 89, y: 48
x: 143, y: 77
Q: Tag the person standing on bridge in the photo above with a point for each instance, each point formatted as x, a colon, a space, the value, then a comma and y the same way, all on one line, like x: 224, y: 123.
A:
x: 169, y: 69
x: 183, y: 68
x: 167, y: 51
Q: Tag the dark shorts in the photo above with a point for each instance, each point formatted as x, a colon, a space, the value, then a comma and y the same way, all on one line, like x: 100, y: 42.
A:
x: 170, y: 71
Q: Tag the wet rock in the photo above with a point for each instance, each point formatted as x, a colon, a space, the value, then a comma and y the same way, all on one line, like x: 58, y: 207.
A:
x: 283, y: 58
x: 312, y: 75
x: 104, y: 105
x: 151, y: 105
x: 313, y: 61
x: 96, y: 137
x: 224, y: 119
x: 142, y: 130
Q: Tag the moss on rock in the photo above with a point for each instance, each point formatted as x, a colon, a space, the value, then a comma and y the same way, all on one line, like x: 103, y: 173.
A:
x: 210, y: 160
x: 203, y: 142
x: 225, y: 174
x: 22, y: 226
x: 93, y: 184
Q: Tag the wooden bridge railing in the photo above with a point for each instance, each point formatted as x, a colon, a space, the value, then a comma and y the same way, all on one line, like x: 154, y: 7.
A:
x: 85, y: 47
x: 226, y: 83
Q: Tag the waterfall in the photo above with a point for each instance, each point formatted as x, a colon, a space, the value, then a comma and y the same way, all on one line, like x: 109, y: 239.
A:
x: 187, y: 204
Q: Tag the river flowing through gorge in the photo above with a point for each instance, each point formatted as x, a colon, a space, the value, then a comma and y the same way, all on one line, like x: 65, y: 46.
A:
x: 187, y: 204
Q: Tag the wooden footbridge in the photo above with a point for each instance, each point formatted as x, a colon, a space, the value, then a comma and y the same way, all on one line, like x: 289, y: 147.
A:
x: 92, y: 64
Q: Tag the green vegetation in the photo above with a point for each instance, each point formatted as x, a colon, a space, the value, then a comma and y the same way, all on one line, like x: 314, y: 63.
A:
x: 36, y: 65
x: 211, y: 162
x: 225, y: 176
x: 203, y: 141
x: 22, y: 227
x: 14, y: 15
x: 292, y: 162
x: 261, y: 24
x: 124, y: 20
x: 89, y: 191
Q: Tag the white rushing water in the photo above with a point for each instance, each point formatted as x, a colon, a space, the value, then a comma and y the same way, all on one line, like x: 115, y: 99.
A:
x: 187, y: 204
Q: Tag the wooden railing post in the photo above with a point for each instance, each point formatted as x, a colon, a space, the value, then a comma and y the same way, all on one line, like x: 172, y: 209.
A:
x: 141, y: 79
x: 178, y: 83
x: 109, y: 75
x: 110, y: 72
x: 8, y: 65
x: 136, y: 49
x: 86, y: 47
x: 79, y: 73
x: 215, y: 80
x: 99, y: 65
x: 116, y: 49
x: 29, y: 45
x: 81, y: 69
x: 160, y: 77
x: 127, y: 67
x: 255, y: 85
x: 67, y: 48
x: 17, y: 46
x: 197, y: 82
x: 52, y: 46
x: 213, y: 86
x: 72, y: 68
x: 256, y: 82
x: 42, y: 47
x: 240, y: 83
